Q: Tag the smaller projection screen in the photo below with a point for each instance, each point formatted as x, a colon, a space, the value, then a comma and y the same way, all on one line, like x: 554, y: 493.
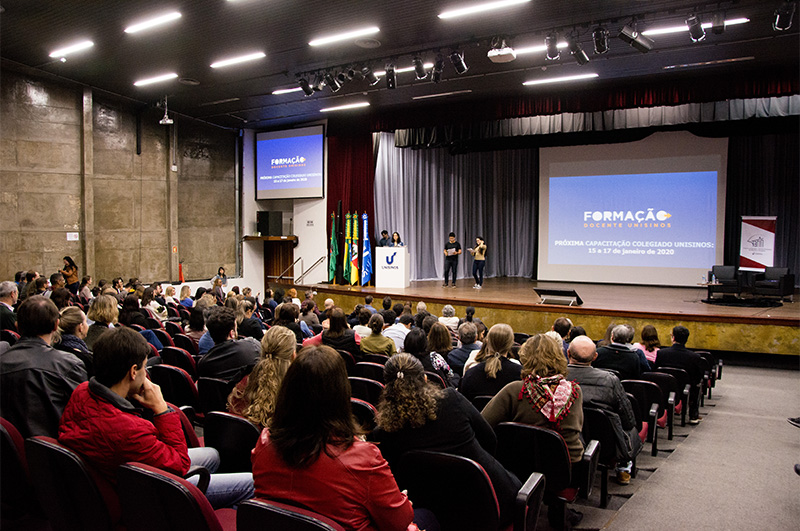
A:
x: 290, y: 164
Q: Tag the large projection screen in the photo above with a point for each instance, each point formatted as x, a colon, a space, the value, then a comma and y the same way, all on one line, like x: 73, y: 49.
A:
x: 290, y: 164
x: 649, y: 212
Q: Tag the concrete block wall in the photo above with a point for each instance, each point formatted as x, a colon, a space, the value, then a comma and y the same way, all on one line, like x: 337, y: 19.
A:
x: 68, y: 163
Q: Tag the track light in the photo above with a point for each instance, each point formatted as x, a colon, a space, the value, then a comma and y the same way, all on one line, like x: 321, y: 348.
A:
x: 419, y: 67
x: 577, y: 51
x: 391, y: 77
x: 354, y: 73
x: 600, y: 39
x: 319, y: 83
x: 458, y: 62
x: 718, y: 23
x: 307, y: 90
x: 696, y: 31
x: 370, y: 76
x: 436, y: 71
x: 341, y: 77
x: 551, y: 43
x: 783, y: 16
x: 332, y: 83
x: 636, y: 39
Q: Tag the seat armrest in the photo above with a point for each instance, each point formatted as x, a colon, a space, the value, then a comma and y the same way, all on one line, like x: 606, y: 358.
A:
x: 528, y: 503
x: 686, y: 391
x: 190, y: 413
x: 671, y: 399
x: 204, y: 477
x: 589, y: 462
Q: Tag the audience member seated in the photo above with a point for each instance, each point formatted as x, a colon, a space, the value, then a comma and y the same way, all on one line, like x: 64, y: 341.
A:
x: 120, y: 416
x: 368, y: 304
x: 196, y: 326
x: 72, y: 329
x: 467, y: 334
x: 56, y: 281
x: 186, y: 296
x: 414, y: 415
x: 255, y: 394
x: 576, y: 331
x: 310, y: 455
x: 37, y: 380
x: 618, y: 356
x: 338, y: 335
x: 428, y: 322
x: 375, y: 342
x: 229, y: 356
x: 489, y: 370
x: 607, y: 336
x: 131, y: 313
x: 470, y: 317
x: 416, y: 344
x: 104, y: 314
x: 362, y: 328
x: 286, y: 316
x: 682, y: 358
x: 602, y: 390
x: 650, y: 344
x: 9, y: 293
x: 387, y: 303
x: 544, y: 397
x: 307, y: 314
x: 61, y: 297
x: 247, y: 325
x: 449, y: 318
x: 398, y: 331
x: 562, y: 326
x: 169, y: 295
x: 441, y: 342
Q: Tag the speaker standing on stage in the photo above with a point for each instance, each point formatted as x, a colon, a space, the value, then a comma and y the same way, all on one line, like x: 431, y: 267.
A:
x: 479, y: 253
x: 384, y: 241
x: 396, y: 241
x: 451, y: 251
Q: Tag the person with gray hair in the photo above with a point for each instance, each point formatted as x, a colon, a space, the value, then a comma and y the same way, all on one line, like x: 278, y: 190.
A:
x: 9, y: 294
x: 618, y: 355
x: 449, y: 318
x: 467, y: 335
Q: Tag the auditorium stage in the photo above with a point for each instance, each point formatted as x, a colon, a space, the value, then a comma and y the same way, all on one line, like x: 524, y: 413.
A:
x: 513, y: 301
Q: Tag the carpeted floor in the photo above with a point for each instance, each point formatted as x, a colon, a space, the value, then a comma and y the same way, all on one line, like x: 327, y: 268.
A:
x: 735, y: 470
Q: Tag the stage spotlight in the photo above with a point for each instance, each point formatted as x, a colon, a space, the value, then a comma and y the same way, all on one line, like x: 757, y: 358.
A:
x: 577, y: 51
x: 458, y: 62
x: 319, y: 83
x: 600, y: 38
x: 391, y: 77
x: 696, y: 31
x: 783, y: 16
x: 369, y: 75
x: 307, y: 90
x: 436, y: 71
x: 718, y: 23
x: 419, y: 67
x: 354, y: 73
x: 341, y: 77
x: 332, y: 83
x: 636, y: 39
x: 551, y: 43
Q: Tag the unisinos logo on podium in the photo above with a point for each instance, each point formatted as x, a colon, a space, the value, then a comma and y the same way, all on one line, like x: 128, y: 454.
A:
x: 393, y: 267
x: 390, y: 259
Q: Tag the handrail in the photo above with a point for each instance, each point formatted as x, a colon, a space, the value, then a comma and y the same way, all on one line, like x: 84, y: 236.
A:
x: 315, y: 264
x: 279, y: 277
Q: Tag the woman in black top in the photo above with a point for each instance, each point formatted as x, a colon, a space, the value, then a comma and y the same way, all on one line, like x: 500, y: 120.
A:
x: 131, y: 312
x: 246, y: 324
x: 493, y: 370
x: 413, y: 415
x: 339, y: 336
x: 416, y: 344
x: 287, y: 316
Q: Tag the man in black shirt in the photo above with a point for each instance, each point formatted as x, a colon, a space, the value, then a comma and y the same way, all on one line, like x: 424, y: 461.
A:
x: 384, y: 241
x: 451, y: 251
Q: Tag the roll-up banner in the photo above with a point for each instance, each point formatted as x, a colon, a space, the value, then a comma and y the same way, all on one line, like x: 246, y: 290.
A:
x: 757, y: 249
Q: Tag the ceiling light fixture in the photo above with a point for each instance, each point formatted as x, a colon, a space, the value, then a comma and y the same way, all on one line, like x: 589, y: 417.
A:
x: 419, y: 68
x: 718, y: 23
x: 696, y: 31
x: 537, y: 49
x: 679, y: 29
x: 403, y: 70
x: 72, y: 48
x: 156, y: 79
x: 635, y: 39
x: 344, y: 36
x: 319, y: 83
x: 783, y: 16
x: 370, y: 76
x: 345, y: 107
x: 436, y: 71
x: 561, y: 79
x: 600, y: 40
x: 480, y: 8
x: 166, y: 120
x: 551, y: 45
x: 287, y: 91
x: 501, y: 52
x: 441, y: 94
x: 341, y: 77
x: 304, y: 86
x: 332, y: 83
x: 237, y: 60
x: 458, y: 62
x: 157, y: 21
x: 391, y: 77
x: 577, y: 52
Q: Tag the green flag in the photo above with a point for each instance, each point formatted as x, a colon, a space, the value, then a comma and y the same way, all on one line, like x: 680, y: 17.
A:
x: 334, y: 251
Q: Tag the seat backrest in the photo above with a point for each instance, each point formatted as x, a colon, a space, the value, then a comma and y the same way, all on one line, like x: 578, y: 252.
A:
x: 18, y: 497
x: 9, y: 335
x: 723, y: 272
x: 172, y: 311
x: 480, y: 401
x: 597, y: 426
x: 430, y: 477
x: 155, y: 500
x: 349, y: 361
x: 647, y: 393
x: 137, y: 327
x: 178, y: 357
x: 680, y: 375
x: 523, y: 449
x: 637, y: 412
x: 373, y: 371
x: 164, y: 337
x: 185, y: 342
x: 366, y: 389
x: 68, y: 492
x: 176, y: 385
x: 213, y: 393
x: 520, y: 337
x: 436, y: 379
x: 259, y: 514
x: 153, y: 323
x: 365, y: 413
x: 775, y: 273
x: 234, y: 437
x: 173, y: 328
x: 666, y: 382
x: 375, y: 358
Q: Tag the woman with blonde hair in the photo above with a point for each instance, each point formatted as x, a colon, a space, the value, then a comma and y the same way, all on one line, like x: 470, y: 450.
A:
x: 169, y: 295
x: 104, y: 313
x: 413, y: 415
x: 72, y: 329
x: 186, y: 296
x: 544, y: 397
x: 246, y: 324
x: 489, y: 369
x: 254, y: 396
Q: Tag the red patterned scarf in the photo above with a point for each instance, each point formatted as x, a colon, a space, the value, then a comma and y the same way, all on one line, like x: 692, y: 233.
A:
x: 552, y: 396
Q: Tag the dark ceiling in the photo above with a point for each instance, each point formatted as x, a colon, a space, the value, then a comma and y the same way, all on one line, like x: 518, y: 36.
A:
x: 241, y: 95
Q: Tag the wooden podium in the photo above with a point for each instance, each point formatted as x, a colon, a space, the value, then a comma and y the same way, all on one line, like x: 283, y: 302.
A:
x: 278, y: 256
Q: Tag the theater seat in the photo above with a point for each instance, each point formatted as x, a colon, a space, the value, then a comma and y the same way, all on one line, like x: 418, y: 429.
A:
x: 18, y: 497
x: 258, y: 515
x: 234, y: 437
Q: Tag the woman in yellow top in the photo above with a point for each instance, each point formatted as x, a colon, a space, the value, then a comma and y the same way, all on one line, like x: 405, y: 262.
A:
x: 70, y: 273
x: 479, y: 253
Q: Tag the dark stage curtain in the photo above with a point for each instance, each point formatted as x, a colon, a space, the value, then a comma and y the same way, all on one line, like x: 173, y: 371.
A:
x: 764, y: 180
